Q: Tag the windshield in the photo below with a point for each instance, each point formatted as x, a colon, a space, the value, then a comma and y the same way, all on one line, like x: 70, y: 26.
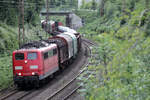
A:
x: 19, y: 56
x: 32, y: 56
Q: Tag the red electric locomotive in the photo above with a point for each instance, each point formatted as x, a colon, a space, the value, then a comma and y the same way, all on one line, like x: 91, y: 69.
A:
x: 32, y: 65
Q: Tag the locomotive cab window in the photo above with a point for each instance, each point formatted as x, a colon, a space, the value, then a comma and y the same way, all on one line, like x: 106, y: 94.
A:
x: 32, y: 56
x: 50, y: 53
x: 19, y: 56
x: 45, y: 55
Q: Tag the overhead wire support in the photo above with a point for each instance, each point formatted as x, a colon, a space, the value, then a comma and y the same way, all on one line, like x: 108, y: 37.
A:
x: 21, y: 22
x: 47, y: 10
x: 47, y: 16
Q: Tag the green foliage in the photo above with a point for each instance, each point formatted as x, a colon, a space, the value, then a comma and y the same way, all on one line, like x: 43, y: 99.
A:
x: 123, y: 53
x: 32, y: 11
x: 87, y: 15
x: 9, y: 11
x: 8, y: 37
x: 89, y: 5
x: 5, y: 71
x: 63, y: 4
x: 8, y: 43
x: 33, y: 33
x: 94, y: 5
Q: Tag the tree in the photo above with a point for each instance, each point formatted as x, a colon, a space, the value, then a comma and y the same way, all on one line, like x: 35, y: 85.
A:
x: 9, y: 11
x: 102, y: 6
x: 83, y: 4
x: 123, y: 5
x: 32, y: 9
x: 147, y: 4
x: 93, y: 5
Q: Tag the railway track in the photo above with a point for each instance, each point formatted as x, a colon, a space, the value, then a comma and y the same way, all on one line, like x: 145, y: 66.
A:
x: 64, y: 87
x: 9, y: 94
x: 10, y: 88
x: 23, y: 95
x: 16, y: 95
x: 89, y: 42
x: 55, y: 95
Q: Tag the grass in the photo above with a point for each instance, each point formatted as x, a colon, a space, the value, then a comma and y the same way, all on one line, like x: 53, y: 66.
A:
x: 8, y: 43
x: 6, y: 74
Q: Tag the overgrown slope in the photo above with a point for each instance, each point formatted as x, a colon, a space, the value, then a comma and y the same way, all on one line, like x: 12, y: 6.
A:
x: 123, y: 61
x: 8, y: 43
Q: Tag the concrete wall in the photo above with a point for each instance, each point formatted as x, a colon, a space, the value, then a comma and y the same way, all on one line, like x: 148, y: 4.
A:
x: 76, y: 21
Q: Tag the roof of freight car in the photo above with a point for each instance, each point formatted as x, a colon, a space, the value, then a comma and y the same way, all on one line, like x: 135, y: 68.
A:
x: 66, y: 29
x: 56, y: 40
x: 69, y: 41
x: 74, y: 40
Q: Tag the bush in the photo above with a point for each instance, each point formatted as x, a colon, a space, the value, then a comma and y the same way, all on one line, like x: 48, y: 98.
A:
x: 123, y: 53
x: 8, y: 39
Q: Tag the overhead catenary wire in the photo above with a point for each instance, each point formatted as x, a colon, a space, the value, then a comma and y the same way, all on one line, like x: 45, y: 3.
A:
x: 16, y: 6
x: 16, y: 2
x: 24, y: 4
x: 28, y: 3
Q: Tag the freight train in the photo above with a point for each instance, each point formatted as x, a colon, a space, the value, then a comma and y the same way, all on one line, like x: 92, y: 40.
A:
x: 35, y: 61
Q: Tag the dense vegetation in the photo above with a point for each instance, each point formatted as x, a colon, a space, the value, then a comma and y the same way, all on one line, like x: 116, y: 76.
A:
x: 9, y: 33
x: 9, y: 11
x: 8, y: 43
x: 63, y: 4
x: 89, y: 5
x: 120, y: 69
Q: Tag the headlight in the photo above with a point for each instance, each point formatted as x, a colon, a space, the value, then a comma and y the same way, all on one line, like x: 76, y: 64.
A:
x: 19, y: 74
x: 33, y: 73
x: 34, y: 67
x: 18, y: 68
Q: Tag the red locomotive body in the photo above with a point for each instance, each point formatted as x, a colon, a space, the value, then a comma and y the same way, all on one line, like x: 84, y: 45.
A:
x: 34, y: 64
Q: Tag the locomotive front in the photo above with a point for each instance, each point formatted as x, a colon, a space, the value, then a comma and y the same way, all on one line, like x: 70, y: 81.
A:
x: 26, y: 66
x: 34, y: 64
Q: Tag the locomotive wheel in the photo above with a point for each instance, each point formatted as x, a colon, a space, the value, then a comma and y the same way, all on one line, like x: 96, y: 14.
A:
x: 37, y: 84
x: 62, y: 67
x: 51, y: 76
x: 20, y: 86
x: 43, y: 81
x: 71, y: 61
